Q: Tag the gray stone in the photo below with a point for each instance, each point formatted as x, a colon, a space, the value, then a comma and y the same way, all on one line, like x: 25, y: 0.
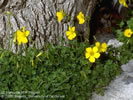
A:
x: 115, y: 43
x: 120, y: 88
x: 109, y: 38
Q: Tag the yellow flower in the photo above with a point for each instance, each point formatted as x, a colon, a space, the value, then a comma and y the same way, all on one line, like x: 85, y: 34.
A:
x: 60, y: 15
x: 92, y: 54
x: 81, y: 18
x: 71, y: 34
x: 21, y: 36
x: 128, y: 32
x: 123, y: 2
x: 101, y: 47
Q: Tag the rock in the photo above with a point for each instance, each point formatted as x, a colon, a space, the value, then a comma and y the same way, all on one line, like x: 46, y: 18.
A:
x: 120, y: 88
x: 128, y: 68
x: 115, y: 43
x: 109, y: 38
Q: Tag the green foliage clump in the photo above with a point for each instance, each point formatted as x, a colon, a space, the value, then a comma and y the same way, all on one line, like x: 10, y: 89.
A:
x: 63, y: 71
x: 59, y: 70
x: 126, y: 50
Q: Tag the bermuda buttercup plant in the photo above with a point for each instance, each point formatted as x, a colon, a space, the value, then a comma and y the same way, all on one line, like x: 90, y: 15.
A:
x: 60, y: 15
x: 81, y: 18
x: 71, y: 34
x: 128, y: 33
x: 75, y: 70
x: 92, y: 54
x: 21, y: 36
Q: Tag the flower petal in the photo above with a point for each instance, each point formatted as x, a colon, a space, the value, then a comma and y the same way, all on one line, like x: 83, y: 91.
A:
x: 92, y: 59
x: 19, y: 33
x: 87, y: 55
x: 27, y: 33
x: 70, y: 28
x: 74, y: 35
x: 95, y: 49
x: 104, y: 47
x: 19, y: 41
x: 60, y: 15
x: 70, y: 37
x: 97, y: 44
x: 68, y: 33
x: 23, y: 28
x: 73, y: 29
x: 57, y: 14
x: 97, y: 55
x: 89, y: 49
x: 81, y: 21
x: 24, y: 40
x: 128, y: 32
x: 81, y: 18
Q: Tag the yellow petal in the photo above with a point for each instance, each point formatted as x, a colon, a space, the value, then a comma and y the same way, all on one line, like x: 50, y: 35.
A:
x: 128, y: 32
x: 27, y: 33
x: 19, y: 33
x: 19, y: 42
x: 73, y: 29
x: 24, y: 40
x: 19, y: 39
x: 81, y: 21
x: 60, y: 15
x: 97, y: 44
x: 70, y: 28
x: 68, y: 33
x: 57, y: 14
x: 78, y: 17
x: 87, y: 55
x: 92, y: 59
x: 23, y: 28
x: 104, y: 47
x: 74, y: 35
x: 89, y: 49
x: 81, y: 18
x: 123, y: 2
x: 70, y: 37
x: 97, y: 55
x: 95, y: 49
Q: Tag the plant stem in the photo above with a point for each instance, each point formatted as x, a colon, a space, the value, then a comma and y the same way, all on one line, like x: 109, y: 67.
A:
x: 11, y: 28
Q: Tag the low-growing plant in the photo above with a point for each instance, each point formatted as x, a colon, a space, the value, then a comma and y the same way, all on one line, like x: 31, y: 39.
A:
x: 124, y: 35
x: 59, y: 70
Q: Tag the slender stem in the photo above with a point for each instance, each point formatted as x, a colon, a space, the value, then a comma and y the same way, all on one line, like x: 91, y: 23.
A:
x: 11, y: 28
x: 88, y: 33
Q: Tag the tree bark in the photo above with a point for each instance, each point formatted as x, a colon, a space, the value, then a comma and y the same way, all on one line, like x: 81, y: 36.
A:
x: 39, y: 16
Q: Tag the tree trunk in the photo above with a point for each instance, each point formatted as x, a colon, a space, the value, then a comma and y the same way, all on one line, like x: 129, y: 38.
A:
x: 39, y: 16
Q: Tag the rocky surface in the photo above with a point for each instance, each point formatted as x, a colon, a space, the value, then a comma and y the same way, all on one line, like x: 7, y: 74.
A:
x: 122, y: 87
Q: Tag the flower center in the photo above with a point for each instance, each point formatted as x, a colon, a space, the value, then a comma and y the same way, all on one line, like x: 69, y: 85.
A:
x: 91, y: 53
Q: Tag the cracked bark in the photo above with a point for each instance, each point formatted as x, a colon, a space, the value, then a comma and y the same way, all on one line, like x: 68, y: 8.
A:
x: 39, y: 16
